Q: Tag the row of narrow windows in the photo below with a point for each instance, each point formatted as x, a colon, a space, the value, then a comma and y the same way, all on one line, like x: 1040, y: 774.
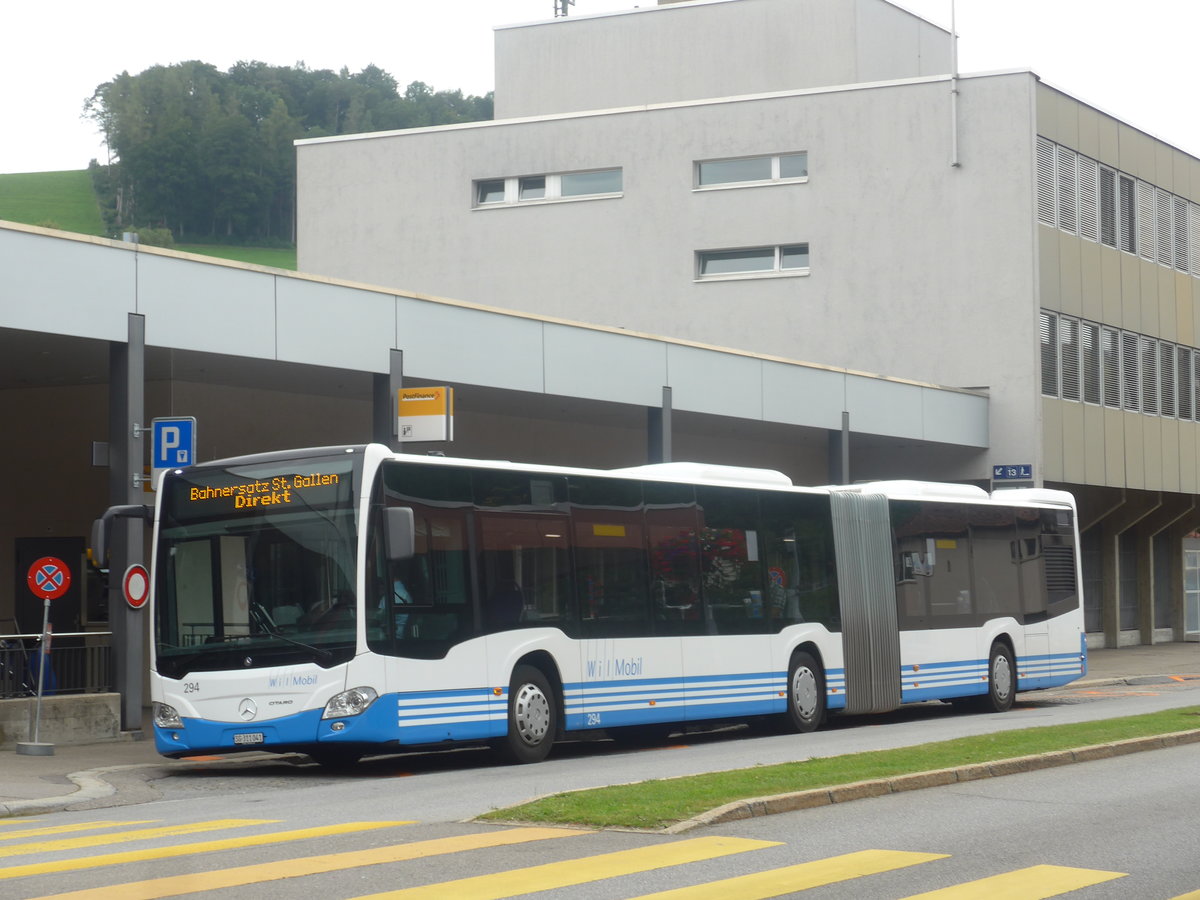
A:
x: 1099, y: 203
x: 715, y: 264
x: 1106, y: 366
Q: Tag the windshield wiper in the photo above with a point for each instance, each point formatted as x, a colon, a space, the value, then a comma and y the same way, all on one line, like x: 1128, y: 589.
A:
x: 269, y: 628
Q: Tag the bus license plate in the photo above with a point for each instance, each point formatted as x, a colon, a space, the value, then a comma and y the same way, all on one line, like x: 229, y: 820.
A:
x: 256, y: 737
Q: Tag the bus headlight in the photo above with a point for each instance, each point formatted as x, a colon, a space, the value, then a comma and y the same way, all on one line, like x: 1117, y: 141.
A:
x: 349, y: 703
x: 166, y: 716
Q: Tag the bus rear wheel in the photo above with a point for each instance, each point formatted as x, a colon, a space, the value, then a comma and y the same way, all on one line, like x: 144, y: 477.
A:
x: 1002, y: 678
x: 805, y: 694
x: 532, y: 717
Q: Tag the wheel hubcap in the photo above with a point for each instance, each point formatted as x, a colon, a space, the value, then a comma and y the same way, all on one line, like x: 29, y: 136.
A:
x: 531, y: 714
x: 1002, y: 677
x: 804, y: 692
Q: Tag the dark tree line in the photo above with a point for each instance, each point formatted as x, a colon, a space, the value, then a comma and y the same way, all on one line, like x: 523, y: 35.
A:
x: 208, y: 154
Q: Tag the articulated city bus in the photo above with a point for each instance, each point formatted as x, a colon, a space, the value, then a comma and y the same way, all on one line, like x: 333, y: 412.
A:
x: 347, y: 601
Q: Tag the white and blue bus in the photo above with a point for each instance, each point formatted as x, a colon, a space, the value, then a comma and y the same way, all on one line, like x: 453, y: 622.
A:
x: 350, y: 600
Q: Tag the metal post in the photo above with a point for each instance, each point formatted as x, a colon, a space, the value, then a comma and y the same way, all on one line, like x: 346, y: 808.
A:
x: 384, y: 390
x: 36, y: 747
x: 954, y: 160
x: 658, y: 430
x: 126, y: 455
x: 845, y: 447
x: 839, y: 452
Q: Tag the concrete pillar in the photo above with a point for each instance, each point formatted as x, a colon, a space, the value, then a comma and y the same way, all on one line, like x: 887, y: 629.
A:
x: 1135, y: 507
x: 839, y: 453
x: 126, y: 456
x: 1172, y: 508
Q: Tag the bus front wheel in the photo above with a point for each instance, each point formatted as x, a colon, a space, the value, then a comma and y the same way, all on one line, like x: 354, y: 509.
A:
x: 532, y: 717
x: 806, y: 694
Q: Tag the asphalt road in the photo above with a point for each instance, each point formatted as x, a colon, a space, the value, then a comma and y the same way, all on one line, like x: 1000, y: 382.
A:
x: 1123, y: 827
x: 455, y: 785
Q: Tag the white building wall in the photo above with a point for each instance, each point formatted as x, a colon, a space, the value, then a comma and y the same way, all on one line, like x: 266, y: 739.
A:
x: 687, y: 51
x: 918, y: 269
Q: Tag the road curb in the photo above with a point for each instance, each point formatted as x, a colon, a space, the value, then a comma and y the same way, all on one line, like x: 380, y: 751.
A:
x: 92, y: 784
x: 859, y: 790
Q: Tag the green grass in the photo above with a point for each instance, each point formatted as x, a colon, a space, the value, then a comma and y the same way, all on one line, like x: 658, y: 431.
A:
x: 656, y: 804
x: 277, y: 257
x: 61, y: 200
x: 65, y: 200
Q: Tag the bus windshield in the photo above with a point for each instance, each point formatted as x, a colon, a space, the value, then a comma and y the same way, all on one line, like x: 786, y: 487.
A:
x: 255, y: 565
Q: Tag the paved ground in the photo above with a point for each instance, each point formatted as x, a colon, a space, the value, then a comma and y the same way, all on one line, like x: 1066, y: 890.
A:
x: 79, y: 773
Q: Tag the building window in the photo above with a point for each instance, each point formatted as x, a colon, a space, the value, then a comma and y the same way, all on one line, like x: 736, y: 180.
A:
x: 1089, y: 340
x: 532, y: 188
x: 1166, y: 379
x: 489, y: 192
x: 786, y: 259
x: 1102, y: 365
x: 1183, y: 357
x: 514, y: 190
x: 1068, y: 338
x: 1110, y: 343
x: 1066, y: 190
x: 1149, y: 376
x: 751, y: 170
x: 1050, y: 354
x: 1108, y: 207
x: 1131, y: 392
x: 1100, y: 203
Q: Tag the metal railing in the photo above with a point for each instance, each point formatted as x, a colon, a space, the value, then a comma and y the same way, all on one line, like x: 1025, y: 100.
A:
x: 69, y: 669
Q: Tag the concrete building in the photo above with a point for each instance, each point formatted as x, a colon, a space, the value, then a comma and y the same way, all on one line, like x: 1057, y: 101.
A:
x: 807, y: 179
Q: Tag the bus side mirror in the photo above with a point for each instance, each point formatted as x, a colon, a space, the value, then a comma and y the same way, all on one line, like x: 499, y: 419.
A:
x: 400, y: 532
x: 102, y: 527
x: 97, y: 551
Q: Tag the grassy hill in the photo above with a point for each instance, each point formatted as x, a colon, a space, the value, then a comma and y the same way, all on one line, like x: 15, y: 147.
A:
x: 65, y: 200
x: 52, y: 199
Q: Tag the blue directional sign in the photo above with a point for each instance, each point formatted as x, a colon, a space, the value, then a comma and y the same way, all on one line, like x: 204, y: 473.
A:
x: 1019, y: 472
x: 173, y: 445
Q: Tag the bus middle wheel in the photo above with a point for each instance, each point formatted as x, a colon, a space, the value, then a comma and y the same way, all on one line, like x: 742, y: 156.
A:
x: 532, y: 717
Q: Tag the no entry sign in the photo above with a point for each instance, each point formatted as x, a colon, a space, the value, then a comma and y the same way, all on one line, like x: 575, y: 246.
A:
x: 49, y: 578
x: 136, y: 586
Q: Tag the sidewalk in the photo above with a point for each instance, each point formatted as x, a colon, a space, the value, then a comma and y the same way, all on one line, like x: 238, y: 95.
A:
x: 79, y: 773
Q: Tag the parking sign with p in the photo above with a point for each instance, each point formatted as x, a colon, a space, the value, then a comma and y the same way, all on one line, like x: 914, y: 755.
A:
x: 173, y: 444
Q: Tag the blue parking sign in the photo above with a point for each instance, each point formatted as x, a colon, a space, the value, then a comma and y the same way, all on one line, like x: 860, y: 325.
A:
x: 174, y: 443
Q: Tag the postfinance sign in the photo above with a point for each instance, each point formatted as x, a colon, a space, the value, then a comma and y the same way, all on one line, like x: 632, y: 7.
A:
x: 425, y: 414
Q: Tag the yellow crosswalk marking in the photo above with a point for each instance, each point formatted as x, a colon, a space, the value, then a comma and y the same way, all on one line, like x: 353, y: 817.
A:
x: 802, y: 877
x: 68, y: 829
x: 237, y: 843
x: 1190, y: 895
x: 124, y: 837
x: 241, y: 876
x: 1034, y: 883
x: 570, y: 872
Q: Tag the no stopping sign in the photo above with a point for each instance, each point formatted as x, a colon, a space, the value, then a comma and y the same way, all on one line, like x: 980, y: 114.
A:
x: 136, y: 586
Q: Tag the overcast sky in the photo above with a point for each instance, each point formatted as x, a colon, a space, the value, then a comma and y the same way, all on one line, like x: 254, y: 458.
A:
x: 1134, y: 60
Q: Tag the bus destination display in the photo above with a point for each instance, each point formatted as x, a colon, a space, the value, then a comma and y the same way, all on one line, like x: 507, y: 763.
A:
x: 276, y: 491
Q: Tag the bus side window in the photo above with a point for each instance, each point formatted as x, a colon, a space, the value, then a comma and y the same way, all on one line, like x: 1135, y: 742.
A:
x: 608, y: 538
x: 523, y: 567
x: 731, y: 561
x: 801, y: 570
x: 674, y: 558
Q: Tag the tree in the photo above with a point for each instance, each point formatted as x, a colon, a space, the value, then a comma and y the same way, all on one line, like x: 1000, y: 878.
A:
x: 210, y: 154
